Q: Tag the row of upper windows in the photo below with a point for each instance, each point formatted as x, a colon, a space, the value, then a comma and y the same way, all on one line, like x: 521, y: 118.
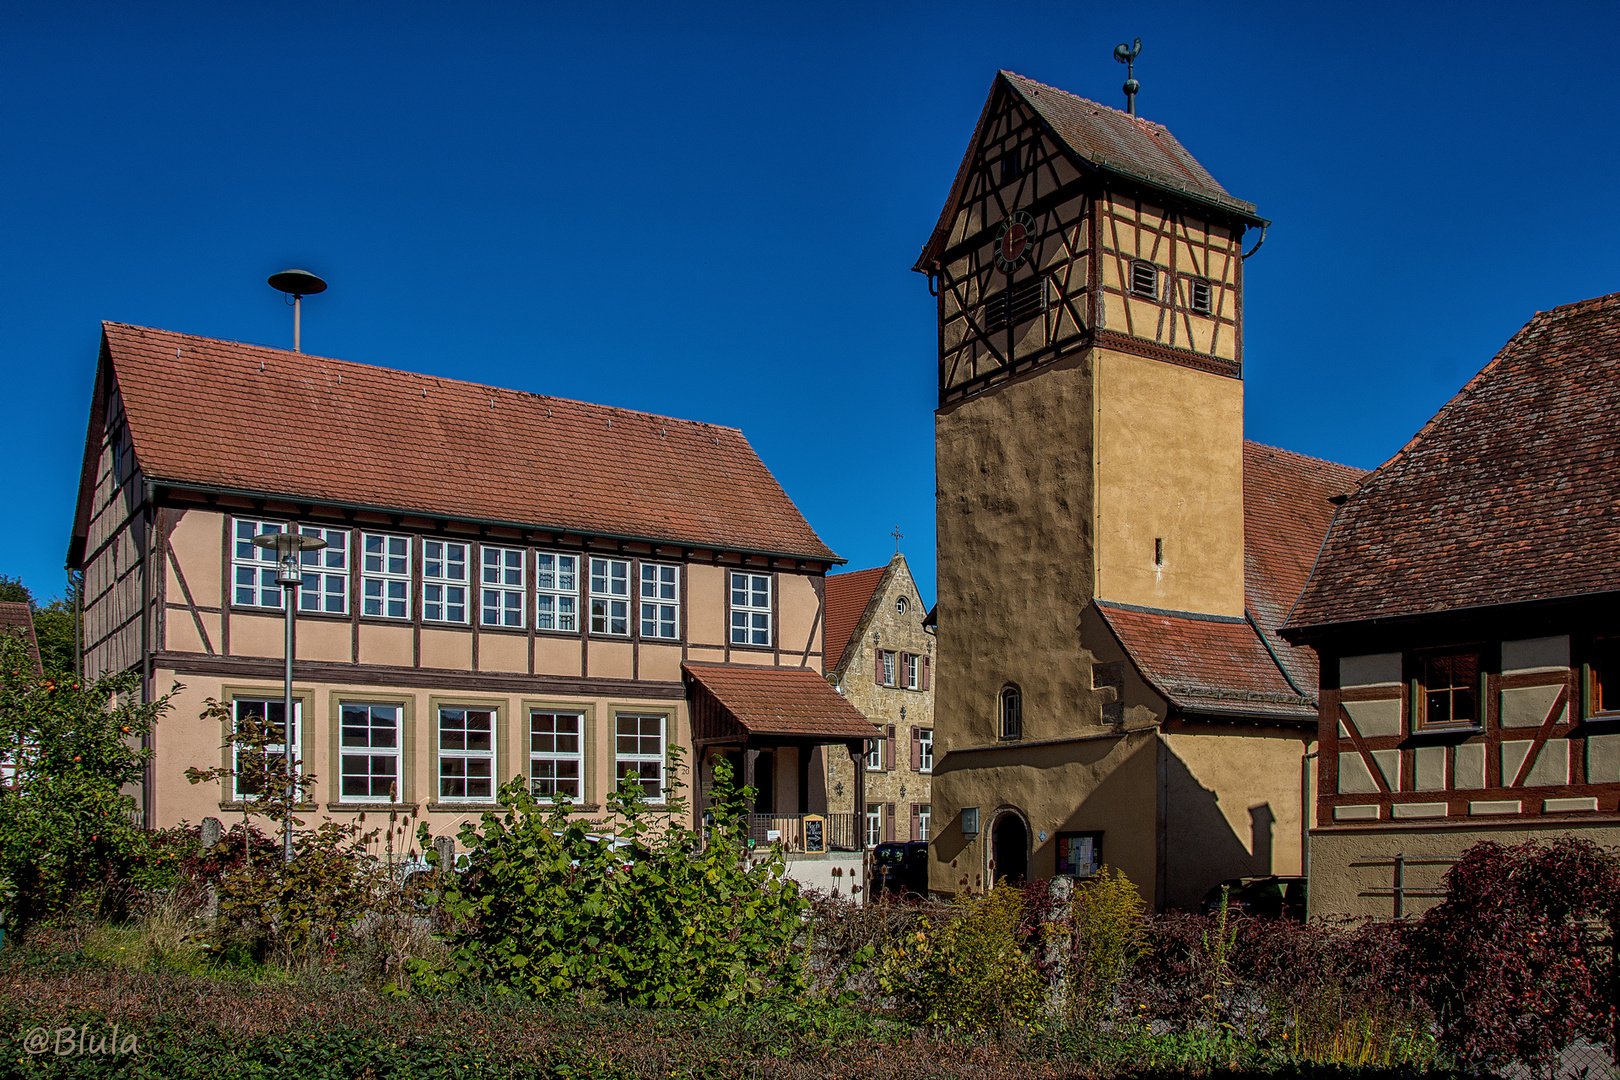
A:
x: 903, y: 670
x: 1447, y: 687
x: 1145, y: 281
x: 370, y: 763
x: 448, y: 594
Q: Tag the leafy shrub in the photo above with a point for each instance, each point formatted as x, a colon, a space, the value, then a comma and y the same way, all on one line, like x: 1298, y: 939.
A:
x: 972, y: 968
x: 645, y: 914
x: 1103, y: 935
x: 847, y: 939
x: 1516, y: 960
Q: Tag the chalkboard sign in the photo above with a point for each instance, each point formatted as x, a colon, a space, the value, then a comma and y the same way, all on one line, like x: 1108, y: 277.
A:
x: 815, y: 833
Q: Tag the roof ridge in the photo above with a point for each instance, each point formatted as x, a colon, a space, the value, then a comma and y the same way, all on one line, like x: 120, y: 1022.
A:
x: 447, y: 379
x: 1139, y: 120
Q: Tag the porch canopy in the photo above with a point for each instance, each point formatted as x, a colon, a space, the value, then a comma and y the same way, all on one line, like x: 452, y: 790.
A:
x: 751, y: 708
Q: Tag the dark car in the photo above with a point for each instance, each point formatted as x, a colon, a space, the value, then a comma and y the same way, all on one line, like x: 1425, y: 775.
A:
x: 900, y: 868
x: 1262, y: 897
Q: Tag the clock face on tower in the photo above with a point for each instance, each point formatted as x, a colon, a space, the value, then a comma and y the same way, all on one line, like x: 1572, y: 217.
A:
x: 1012, y: 243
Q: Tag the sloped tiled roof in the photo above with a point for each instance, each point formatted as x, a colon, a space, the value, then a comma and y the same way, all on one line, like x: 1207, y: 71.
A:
x: 249, y: 418
x: 1205, y: 663
x: 1510, y: 493
x: 780, y: 701
x: 17, y: 618
x: 848, y: 597
x: 1286, y: 514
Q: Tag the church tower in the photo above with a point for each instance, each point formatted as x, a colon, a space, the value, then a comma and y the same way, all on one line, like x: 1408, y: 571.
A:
x: 1089, y: 435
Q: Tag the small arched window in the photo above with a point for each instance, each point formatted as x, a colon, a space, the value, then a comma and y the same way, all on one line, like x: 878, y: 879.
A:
x: 1012, y: 712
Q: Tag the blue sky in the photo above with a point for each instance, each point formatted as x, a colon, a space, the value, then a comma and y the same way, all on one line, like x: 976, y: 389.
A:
x: 710, y: 211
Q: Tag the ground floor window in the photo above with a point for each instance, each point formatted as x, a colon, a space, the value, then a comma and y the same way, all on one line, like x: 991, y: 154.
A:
x: 925, y: 818
x: 466, y: 754
x: 554, y: 755
x: 370, y: 757
x: 639, y: 749
x: 874, y: 824
x: 251, y: 764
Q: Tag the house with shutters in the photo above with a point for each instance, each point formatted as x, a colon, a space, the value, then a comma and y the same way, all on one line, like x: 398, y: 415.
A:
x: 1464, y: 610
x: 881, y: 658
x: 512, y: 586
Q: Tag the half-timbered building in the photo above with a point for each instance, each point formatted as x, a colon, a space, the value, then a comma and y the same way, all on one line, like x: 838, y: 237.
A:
x: 1464, y: 611
x: 1113, y: 557
x: 512, y: 585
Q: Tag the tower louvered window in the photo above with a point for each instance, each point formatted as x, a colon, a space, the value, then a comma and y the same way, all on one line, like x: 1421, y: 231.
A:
x: 1199, y: 295
x: 1017, y: 304
x: 1144, y: 279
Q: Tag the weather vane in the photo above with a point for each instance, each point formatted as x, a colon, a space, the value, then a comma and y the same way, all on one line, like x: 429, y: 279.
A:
x: 898, y: 536
x: 1126, y: 54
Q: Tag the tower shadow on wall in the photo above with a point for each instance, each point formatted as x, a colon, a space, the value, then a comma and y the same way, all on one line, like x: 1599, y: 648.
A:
x: 1201, y: 848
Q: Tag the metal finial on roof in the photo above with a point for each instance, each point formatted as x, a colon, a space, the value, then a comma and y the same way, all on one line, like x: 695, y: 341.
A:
x: 1126, y: 54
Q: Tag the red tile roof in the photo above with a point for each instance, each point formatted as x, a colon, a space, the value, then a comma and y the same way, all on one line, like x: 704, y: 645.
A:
x: 779, y: 701
x: 1510, y: 493
x: 249, y: 418
x: 1286, y: 514
x: 848, y: 597
x: 1104, y: 138
x: 1208, y: 664
x: 18, y: 618
x: 1225, y: 665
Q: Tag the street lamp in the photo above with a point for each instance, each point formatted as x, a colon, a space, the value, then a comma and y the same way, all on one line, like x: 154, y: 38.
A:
x: 288, y: 546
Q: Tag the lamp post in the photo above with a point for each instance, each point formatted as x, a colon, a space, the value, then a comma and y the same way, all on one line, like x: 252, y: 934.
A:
x: 288, y: 547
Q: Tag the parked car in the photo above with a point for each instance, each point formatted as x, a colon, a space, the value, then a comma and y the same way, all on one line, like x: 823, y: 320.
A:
x: 1271, y: 897
x: 900, y: 868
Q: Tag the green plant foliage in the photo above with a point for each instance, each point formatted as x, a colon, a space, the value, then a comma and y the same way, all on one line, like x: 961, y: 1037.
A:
x: 645, y: 913
x: 66, y: 823
x: 1106, y: 931
x: 971, y: 969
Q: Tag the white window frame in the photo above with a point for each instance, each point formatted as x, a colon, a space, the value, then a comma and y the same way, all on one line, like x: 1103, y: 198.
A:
x: 925, y: 821
x: 543, y: 763
x: 258, y: 563
x: 444, y: 580
x: 660, y: 601
x: 270, y: 749
x: 325, y: 588
x: 467, y: 757
x: 368, y: 751
x: 500, y: 584
x: 556, y: 604
x: 890, y: 661
x: 637, y: 754
x: 750, y: 620
x: 925, y: 758
x: 874, y: 755
x: 610, y: 605
x: 385, y: 589
x: 913, y: 672
x: 874, y: 824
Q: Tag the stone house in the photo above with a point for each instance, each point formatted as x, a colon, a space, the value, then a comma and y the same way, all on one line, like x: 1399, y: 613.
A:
x: 881, y: 659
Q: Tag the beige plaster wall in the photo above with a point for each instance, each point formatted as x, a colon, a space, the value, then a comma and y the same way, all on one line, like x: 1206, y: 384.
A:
x: 706, y: 605
x: 1347, y: 864
x: 1168, y: 446
x: 183, y: 740
x: 194, y: 546
x: 800, y: 618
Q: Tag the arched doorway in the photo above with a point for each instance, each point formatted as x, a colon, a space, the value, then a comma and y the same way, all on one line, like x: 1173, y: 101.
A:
x: 1009, y: 847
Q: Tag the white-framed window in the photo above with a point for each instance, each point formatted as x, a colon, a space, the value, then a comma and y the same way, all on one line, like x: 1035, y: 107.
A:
x: 555, y: 757
x: 502, y: 584
x: 385, y: 576
x: 887, y: 659
x: 750, y: 609
x: 610, y: 597
x: 466, y: 754
x: 369, y: 770
x: 874, y: 824
x: 272, y: 713
x: 639, y: 748
x: 253, y: 569
x: 444, y: 581
x: 17, y: 761
x: 325, y: 572
x: 925, y: 742
x: 660, y: 601
x: 911, y: 675
x: 900, y: 605
x: 874, y: 755
x: 925, y: 822
x: 556, y: 592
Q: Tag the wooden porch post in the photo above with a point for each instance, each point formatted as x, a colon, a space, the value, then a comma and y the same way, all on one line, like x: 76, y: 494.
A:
x: 857, y: 758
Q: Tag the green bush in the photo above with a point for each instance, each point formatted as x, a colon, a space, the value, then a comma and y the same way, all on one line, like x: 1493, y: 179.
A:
x: 1104, y: 933
x: 640, y: 913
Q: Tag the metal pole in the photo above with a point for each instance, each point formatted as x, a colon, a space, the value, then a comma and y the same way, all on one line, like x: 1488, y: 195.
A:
x: 298, y: 319
x: 287, y: 732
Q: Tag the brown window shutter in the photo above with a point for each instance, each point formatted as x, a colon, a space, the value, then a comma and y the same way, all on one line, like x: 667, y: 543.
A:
x: 888, y: 748
x: 916, y: 822
x: 900, y: 668
x: 916, y: 750
x: 888, y: 822
x: 877, y: 666
x: 925, y: 673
